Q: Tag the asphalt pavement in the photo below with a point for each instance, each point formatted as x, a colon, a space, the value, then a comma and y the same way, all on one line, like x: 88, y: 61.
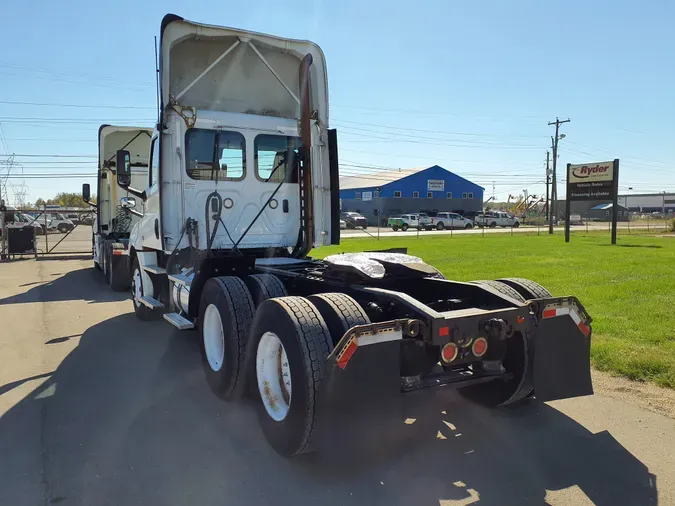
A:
x: 99, y: 408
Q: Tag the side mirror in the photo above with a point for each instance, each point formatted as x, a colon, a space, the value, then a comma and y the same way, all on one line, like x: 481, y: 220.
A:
x: 86, y: 192
x: 123, y: 167
x: 128, y: 202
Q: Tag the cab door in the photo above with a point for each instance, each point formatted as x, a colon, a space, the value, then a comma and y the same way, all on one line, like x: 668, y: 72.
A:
x: 150, y: 225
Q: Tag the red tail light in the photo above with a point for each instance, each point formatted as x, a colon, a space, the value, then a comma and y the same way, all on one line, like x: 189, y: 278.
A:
x: 479, y: 347
x: 449, y: 352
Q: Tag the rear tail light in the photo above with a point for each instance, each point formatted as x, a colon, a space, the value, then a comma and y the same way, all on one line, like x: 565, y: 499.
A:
x: 449, y: 352
x: 479, y: 347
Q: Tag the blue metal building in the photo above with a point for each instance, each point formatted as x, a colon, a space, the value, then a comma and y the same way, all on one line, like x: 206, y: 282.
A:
x: 388, y: 193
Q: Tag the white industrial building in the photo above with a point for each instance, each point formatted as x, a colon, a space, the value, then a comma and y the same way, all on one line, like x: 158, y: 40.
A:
x: 648, y: 202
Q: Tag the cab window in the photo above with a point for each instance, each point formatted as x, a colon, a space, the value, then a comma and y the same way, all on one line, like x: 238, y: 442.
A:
x: 276, y: 158
x: 215, y: 155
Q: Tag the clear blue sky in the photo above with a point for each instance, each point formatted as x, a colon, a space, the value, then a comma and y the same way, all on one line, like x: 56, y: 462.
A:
x: 466, y: 85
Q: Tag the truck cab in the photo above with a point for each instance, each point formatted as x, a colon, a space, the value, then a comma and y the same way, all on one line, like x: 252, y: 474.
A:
x: 115, y: 208
x: 242, y: 183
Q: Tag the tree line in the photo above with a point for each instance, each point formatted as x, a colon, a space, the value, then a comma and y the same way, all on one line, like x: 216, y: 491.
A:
x: 63, y: 199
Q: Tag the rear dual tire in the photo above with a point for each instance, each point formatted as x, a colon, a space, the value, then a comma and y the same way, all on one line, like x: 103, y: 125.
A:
x: 285, y: 345
x: 225, y: 314
x: 292, y: 343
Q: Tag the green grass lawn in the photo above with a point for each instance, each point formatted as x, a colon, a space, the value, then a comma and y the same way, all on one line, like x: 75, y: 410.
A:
x: 628, y: 289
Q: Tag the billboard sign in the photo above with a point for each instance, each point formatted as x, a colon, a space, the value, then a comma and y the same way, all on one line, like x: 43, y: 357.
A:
x: 590, y: 181
x: 593, y: 181
x: 435, y: 185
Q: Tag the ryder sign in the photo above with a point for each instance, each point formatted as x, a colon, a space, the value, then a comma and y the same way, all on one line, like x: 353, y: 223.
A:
x: 592, y: 181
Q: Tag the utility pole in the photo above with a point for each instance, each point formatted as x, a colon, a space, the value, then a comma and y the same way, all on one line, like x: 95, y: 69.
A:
x: 554, y: 186
x: 548, y: 181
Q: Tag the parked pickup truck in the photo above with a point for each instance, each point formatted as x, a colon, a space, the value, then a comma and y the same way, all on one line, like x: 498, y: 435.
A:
x: 497, y: 219
x: 354, y: 220
x: 413, y: 220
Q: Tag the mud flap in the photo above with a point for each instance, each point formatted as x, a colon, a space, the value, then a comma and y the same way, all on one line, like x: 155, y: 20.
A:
x: 562, y: 351
x: 364, y: 389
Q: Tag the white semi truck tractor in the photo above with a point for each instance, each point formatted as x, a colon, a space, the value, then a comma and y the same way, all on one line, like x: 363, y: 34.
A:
x: 243, y: 184
x: 115, y: 206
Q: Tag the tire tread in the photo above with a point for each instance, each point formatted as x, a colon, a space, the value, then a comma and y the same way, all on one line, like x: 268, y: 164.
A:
x: 527, y: 288
x: 502, y: 288
x: 315, y: 339
x: 241, y: 306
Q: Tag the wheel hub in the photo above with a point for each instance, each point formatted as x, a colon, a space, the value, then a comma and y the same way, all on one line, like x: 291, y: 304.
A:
x: 274, y: 376
x: 214, y: 338
x: 137, y: 286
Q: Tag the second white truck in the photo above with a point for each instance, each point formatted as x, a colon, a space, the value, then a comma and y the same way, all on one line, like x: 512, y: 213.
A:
x: 115, y: 213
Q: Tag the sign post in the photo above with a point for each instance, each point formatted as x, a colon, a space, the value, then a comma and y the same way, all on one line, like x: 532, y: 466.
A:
x: 593, y: 181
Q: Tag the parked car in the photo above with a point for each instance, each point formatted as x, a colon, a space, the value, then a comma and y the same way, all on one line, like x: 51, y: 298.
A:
x: 451, y: 220
x: 497, y: 219
x: 413, y: 220
x: 343, y: 224
x: 354, y: 220
x: 59, y: 221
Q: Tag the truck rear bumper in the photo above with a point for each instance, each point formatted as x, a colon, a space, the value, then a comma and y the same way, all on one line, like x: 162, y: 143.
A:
x: 554, y: 360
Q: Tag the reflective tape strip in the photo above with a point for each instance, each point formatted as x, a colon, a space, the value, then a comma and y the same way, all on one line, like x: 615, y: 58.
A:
x: 561, y: 311
x: 380, y: 337
x: 346, y: 353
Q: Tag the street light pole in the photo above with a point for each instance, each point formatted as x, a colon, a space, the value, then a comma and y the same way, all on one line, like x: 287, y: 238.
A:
x: 554, y: 185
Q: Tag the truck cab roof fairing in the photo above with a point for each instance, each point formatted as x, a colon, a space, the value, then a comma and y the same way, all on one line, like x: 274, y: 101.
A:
x: 225, y: 69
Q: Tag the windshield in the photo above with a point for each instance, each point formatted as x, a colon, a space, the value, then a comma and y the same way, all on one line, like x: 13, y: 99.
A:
x: 215, y: 155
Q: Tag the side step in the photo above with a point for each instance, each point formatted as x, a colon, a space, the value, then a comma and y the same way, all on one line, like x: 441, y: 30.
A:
x: 149, y: 302
x: 154, y: 269
x: 179, y: 279
x: 178, y: 321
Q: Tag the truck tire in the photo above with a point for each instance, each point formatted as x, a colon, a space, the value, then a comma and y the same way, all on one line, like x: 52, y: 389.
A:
x: 440, y: 225
x: 493, y: 224
x: 468, y: 226
x: 263, y: 287
x: 292, y: 345
x: 502, y: 288
x: 404, y: 227
x: 394, y: 228
x: 340, y: 312
x: 118, y: 277
x: 516, y: 224
x: 63, y: 228
x: 527, y: 288
x: 225, y: 315
x: 142, y: 311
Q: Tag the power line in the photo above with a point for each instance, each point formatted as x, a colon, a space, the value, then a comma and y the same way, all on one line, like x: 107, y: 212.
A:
x: 84, y: 106
x: 60, y: 155
x: 19, y: 119
x: 78, y: 74
x: 437, y: 131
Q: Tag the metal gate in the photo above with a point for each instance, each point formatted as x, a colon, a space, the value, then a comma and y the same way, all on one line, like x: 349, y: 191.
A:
x: 62, y: 231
